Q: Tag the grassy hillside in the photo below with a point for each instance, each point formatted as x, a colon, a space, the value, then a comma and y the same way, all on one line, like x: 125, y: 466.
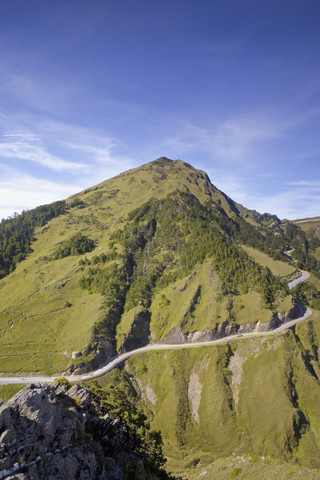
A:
x: 158, y: 254
x: 148, y: 255
x: 44, y: 313
x: 276, y: 266
x: 249, y: 467
x: 255, y: 397
x: 196, y: 303
x: 131, y: 189
x: 312, y: 228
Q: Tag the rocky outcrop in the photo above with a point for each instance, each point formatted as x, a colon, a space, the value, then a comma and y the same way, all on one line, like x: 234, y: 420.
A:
x: 177, y: 336
x: 54, y: 432
x: 279, y: 318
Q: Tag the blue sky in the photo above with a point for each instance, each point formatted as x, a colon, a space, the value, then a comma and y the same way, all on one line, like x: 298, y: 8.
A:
x: 89, y: 89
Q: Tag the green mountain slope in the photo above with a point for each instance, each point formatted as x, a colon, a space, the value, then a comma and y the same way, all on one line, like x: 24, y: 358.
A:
x: 155, y: 253
x: 158, y: 254
x: 257, y: 398
x: 312, y: 228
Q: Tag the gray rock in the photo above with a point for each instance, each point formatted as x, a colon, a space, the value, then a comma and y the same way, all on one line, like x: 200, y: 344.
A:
x: 52, y: 432
x: 18, y: 476
x: 75, y: 355
x: 5, y: 463
x: 7, y: 436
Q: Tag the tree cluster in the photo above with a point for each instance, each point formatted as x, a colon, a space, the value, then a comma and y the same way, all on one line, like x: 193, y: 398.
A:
x: 76, y: 245
x: 140, y: 439
x: 17, y: 234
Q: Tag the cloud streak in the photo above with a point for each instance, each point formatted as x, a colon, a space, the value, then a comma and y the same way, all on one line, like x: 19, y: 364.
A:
x: 239, y: 139
x: 28, y: 147
x: 290, y: 204
x: 306, y: 183
x: 91, y: 159
x: 230, y: 140
x: 20, y: 191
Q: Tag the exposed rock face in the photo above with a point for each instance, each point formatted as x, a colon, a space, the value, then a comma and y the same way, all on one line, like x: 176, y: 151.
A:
x: 280, y: 318
x: 176, y: 335
x: 54, y: 432
x: 235, y: 367
x: 194, y: 395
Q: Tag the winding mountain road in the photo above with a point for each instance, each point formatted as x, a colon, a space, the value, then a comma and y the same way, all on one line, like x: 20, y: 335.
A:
x: 305, y: 313
x: 304, y: 276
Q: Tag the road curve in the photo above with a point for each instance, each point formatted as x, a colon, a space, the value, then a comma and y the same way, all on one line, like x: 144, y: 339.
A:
x: 304, y: 276
x: 305, y: 313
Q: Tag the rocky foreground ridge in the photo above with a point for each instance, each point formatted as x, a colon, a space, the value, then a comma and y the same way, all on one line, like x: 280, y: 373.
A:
x: 55, y: 432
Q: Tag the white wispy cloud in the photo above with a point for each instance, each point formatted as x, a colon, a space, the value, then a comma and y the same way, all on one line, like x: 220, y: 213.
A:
x: 41, y: 89
x: 27, y: 146
x: 239, y: 139
x: 234, y: 142
x: 102, y: 154
x: 20, y: 191
x: 291, y: 203
x: 234, y: 138
x: 87, y: 157
x: 305, y: 183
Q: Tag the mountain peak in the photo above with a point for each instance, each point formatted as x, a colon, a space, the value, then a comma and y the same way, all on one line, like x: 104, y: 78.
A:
x: 155, y: 179
x: 164, y: 161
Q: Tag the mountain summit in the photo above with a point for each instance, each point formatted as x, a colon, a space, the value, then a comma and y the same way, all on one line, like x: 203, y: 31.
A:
x: 156, y: 253
x: 164, y: 176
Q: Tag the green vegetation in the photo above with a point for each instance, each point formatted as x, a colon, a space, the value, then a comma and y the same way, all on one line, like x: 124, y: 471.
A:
x: 305, y: 244
x: 8, y: 391
x: 176, y: 261
x: 140, y: 440
x: 277, y: 267
x: 161, y: 243
x: 307, y: 294
x: 38, y: 332
x: 252, y: 467
x: 196, y: 303
x: 76, y: 245
x: 17, y: 234
x: 127, y: 287
x: 254, y: 397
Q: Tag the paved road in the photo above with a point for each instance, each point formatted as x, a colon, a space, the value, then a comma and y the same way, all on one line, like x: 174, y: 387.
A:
x: 304, y: 276
x: 307, y: 221
x: 306, y: 313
